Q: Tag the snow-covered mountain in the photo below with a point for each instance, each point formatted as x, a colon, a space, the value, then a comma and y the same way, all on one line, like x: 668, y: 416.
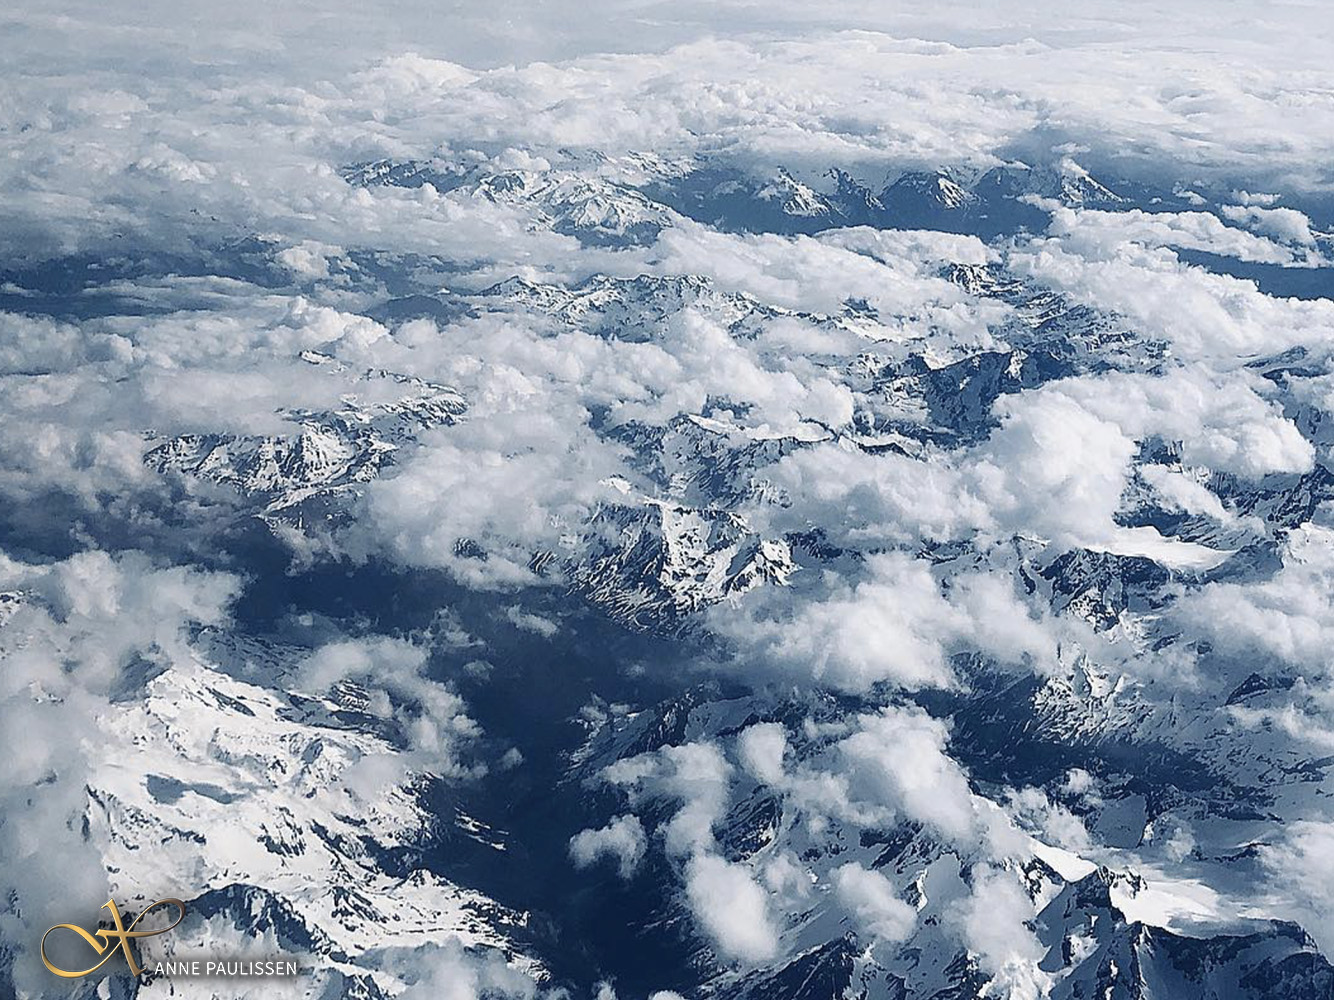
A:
x: 285, y: 820
x: 329, y: 454
x: 912, y: 644
x: 247, y: 792
x: 1096, y: 932
x: 595, y: 210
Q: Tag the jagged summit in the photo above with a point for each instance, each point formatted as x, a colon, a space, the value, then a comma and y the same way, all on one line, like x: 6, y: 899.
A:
x: 328, y: 455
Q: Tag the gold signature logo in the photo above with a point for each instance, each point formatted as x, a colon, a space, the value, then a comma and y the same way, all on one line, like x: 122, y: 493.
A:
x: 105, y: 941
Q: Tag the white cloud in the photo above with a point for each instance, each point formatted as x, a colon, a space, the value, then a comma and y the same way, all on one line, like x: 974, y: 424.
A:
x: 896, y: 624
x: 432, y: 717
x: 877, y: 912
x: 1079, y: 783
x: 1056, y: 467
x: 227, y: 132
x: 547, y: 475
x: 622, y: 839
x: 847, y: 83
x: 1050, y: 822
x: 886, y: 628
x: 1208, y: 317
x: 530, y: 622
x: 761, y: 748
x: 1099, y: 234
x: 898, y: 757
x: 1289, y: 616
x: 1179, y: 491
x: 452, y: 973
x: 1281, y: 223
x: 993, y: 923
x: 1074, y: 441
x: 696, y: 774
x: 731, y: 907
x: 1300, y: 863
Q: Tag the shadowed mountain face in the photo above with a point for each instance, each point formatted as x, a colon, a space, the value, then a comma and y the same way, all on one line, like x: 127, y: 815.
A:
x: 673, y: 526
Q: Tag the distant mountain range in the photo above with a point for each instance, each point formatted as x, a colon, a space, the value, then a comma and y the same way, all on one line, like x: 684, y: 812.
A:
x: 233, y: 780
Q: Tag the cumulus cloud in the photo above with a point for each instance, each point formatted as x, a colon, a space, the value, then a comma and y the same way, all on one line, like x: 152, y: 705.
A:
x: 713, y: 84
x: 1282, y: 223
x: 1300, y: 863
x: 530, y: 622
x: 898, y: 757
x: 1057, y: 466
x: 993, y: 923
x: 1223, y: 424
x: 432, y: 717
x: 877, y: 770
x: 761, y: 748
x: 1097, y: 233
x: 443, y: 510
x: 876, y: 910
x: 884, y: 628
x: 1075, y: 440
x: 1052, y: 822
x: 1289, y: 616
x: 1204, y: 316
x: 731, y: 907
x: 1180, y: 491
x: 622, y: 840
x: 696, y: 774
x: 897, y: 624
